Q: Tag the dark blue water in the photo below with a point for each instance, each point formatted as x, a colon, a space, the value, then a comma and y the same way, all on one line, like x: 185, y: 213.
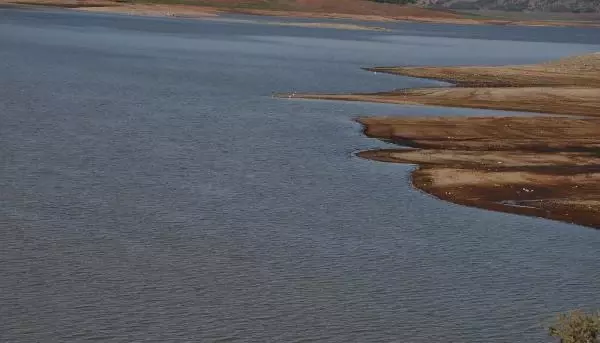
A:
x: 151, y: 189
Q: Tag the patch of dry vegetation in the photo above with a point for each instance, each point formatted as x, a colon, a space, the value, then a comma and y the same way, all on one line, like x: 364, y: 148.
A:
x: 577, y: 327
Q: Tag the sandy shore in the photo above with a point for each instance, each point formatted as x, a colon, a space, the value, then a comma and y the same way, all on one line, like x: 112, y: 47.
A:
x: 540, y: 166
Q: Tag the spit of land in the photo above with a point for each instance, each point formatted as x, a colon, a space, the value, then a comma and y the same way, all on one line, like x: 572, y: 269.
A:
x: 546, y: 166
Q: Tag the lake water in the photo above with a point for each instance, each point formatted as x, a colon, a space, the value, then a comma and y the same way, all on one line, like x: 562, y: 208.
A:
x: 152, y: 189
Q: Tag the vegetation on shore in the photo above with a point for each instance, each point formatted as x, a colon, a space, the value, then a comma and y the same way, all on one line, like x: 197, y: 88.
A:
x: 577, y: 327
x: 541, y: 166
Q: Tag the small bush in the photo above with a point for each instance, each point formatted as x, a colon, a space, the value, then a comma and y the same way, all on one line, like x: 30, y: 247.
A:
x: 577, y: 327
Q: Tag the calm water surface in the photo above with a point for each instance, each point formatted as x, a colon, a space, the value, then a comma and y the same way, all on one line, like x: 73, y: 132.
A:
x: 151, y: 189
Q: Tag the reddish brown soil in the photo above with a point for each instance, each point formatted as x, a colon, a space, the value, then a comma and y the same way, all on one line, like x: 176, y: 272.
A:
x: 352, y: 9
x: 367, y: 8
x: 343, y: 9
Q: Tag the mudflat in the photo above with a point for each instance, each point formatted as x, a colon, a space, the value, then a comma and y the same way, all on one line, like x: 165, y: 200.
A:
x: 545, y: 166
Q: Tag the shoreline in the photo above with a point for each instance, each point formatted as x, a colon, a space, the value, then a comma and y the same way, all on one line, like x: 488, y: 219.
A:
x: 569, y: 86
x: 374, y: 12
x: 542, y: 166
x: 573, y: 101
x: 558, y: 181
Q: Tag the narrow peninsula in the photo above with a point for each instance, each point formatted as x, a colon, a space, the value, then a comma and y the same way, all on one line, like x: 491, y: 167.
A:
x: 545, y: 166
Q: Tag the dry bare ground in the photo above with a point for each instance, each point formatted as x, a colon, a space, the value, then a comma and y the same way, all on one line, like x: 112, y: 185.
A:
x: 318, y: 9
x: 570, y: 87
x: 541, y: 165
x: 349, y: 9
x: 573, y: 71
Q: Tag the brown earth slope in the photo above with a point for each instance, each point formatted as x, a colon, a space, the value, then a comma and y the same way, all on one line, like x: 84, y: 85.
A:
x: 541, y: 166
x: 341, y: 9
x: 349, y: 9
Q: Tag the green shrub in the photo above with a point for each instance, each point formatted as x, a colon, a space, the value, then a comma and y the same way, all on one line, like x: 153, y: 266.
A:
x: 577, y: 327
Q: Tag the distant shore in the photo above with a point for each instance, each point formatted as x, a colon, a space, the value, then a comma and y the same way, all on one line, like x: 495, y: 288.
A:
x: 544, y: 166
x: 361, y: 10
